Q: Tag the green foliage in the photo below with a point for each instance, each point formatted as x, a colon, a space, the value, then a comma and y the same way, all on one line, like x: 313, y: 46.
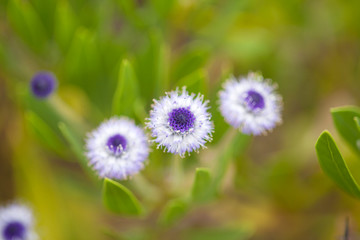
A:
x: 357, y: 122
x: 152, y: 66
x: 77, y: 147
x: 173, y: 211
x: 344, y: 121
x: 74, y: 142
x: 201, y: 191
x: 190, y: 61
x: 120, y: 200
x: 47, y: 136
x: 27, y: 24
x: 171, y: 44
x: 65, y: 25
x: 235, y: 148
x: 195, y: 82
x: 82, y: 60
x: 334, y: 165
x: 126, y: 93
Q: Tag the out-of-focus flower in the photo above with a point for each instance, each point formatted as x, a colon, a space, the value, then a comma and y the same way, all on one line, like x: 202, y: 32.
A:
x: 43, y: 84
x: 180, y: 122
x: 117, y: 148
x: 251, y: 104
x: 16, y: 223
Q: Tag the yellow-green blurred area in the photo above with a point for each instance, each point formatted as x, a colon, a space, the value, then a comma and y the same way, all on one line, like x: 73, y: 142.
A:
x: 274, y: 191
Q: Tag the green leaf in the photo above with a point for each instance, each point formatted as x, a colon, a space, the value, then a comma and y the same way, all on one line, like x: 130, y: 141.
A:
x: 344, y: 121
x: 27, y: 24
x: 195, y: 82
x: 153, y: 63
x: 65, y: 25
x: 190, y: 61
x: 202, y: 183
x: 334, y: 165
x: 128, y: 9
x: 83, y: 60
x: 45, y: 10
x: 44, y: 109
x: 126, y: 92
x: 118, y: 199
x: 173, y: 211
x: 75, y: 143
x: 357, y: 122
x: 47, y: 136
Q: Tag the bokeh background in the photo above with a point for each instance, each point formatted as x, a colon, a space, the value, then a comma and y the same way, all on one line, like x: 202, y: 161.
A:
x: 274, y: 190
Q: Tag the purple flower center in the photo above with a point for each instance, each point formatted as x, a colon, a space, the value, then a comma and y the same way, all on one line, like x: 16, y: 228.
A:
x: 14, y: 230
x: 43, y: 84
x: 116, y: 144
x: 254, y: 100
x: 181, y: 119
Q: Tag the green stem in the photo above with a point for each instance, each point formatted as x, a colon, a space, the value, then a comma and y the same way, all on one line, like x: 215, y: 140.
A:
x: 235, y: 144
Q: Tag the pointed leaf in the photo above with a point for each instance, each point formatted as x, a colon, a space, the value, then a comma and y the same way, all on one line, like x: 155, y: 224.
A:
x: 357, y: 122
x: 126, y: 92
x: 83, y: 61
x: 334, y: 165
x: 27, y: 24
x: 45, y: 10
x: 344, y: 121
x: 118, y: 199
x: 173, y: 211
x: 45, y: 133
x: 201, y: 189
x: 65, y: 25
x: 153, y: 63
x: 74, y: 141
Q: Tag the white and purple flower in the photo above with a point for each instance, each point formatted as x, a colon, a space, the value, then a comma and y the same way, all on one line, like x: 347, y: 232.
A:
x: 43, y: 84
x: 17, y: 223
x: 251, y: 104
x: 117, y: 149
x: 180, y: 122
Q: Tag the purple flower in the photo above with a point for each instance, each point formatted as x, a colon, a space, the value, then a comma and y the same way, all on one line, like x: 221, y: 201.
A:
x: 180, y: 122
x: 43, y: 84
x: 16, y: 222
x: 117, y: 148
x: 251, y: 104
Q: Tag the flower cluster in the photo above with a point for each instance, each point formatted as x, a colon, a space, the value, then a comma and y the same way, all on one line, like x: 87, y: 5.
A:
x: 180, y: 123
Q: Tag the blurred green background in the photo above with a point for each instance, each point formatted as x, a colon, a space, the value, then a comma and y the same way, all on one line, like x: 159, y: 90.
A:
x: 274, y: 190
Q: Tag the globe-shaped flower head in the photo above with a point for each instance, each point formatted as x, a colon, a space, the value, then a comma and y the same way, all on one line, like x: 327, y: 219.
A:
x: 180, y: 122
x: 43, y: 84
x: 117, y: 148
x: 251, y: 104
x: 16, y: 223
